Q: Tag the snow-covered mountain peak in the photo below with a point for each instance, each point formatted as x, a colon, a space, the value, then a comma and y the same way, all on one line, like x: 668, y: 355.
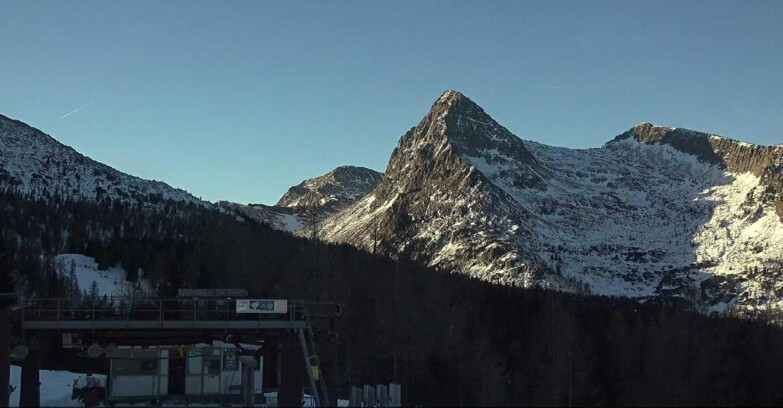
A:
x: 657, y: 212
x: 456, y: 128
x: 34, y: 163
x: 449, y: 96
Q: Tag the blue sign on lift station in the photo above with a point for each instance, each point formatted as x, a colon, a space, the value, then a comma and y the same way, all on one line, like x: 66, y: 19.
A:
x: 262, y: 306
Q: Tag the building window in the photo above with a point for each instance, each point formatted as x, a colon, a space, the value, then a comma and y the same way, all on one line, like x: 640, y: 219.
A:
x: 135, y: 362
x: 211, y: 360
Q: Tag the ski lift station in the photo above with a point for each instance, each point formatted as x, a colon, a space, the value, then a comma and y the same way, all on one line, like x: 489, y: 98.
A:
x: 152, y: 373
x: 205, y: 346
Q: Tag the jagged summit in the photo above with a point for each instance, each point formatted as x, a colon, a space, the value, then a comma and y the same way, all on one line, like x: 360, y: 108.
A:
x: 450, y: 94
x: 441, y: 184
x: 455, y: 125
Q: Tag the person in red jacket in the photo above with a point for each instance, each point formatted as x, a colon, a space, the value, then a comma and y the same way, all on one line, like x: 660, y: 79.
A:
x: 92, y: 395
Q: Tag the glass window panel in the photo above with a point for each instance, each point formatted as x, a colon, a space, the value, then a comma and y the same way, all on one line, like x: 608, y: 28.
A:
x: 194, y: 361
x: 211, y: 360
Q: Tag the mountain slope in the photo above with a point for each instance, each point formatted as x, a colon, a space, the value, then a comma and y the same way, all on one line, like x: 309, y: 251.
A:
x: 657, y: 212
x: 279, y: 218
x: 332, y: 192
x: 313, y: 199
x: 432, y: 202
x: 33, y: 163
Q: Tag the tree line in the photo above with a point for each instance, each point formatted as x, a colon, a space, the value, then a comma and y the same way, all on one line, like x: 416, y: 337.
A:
x: 447, y: 338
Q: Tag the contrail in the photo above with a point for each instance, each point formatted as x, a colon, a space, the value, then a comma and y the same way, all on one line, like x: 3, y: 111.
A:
x: 76, y: 110
x: 546, y: 86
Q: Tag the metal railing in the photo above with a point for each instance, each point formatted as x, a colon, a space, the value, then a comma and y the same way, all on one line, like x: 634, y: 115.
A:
x: 120, y: 308
x: 161, y: 309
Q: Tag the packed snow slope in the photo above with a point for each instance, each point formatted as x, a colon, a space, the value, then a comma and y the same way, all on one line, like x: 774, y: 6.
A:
x: 314, y: 199
x: 656, y: 212
x: 35, y: 164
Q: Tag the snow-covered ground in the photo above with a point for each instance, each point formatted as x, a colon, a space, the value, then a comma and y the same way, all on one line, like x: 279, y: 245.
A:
x: 110, y: 282
x: 56, y: 387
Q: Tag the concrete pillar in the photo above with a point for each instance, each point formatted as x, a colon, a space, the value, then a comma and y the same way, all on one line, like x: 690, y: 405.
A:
x: 248, y: 366
x: 382, y: 393
x: 5, y: 355
x: 369, y: 396
x: 289, y: 393
x: 30, y: 395
x: 395, y: 395
x: 355, y: 398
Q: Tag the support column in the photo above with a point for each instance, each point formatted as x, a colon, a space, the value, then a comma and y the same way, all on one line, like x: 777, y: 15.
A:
x: 30, y: 388
x: 5, y: 355
x: 290, y: 388
x: 248, y: 366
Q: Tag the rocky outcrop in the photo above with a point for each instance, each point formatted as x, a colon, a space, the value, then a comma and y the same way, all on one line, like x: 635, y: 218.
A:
x: 309, y: 202
x: 736, y: 157
x: 333, y: 191
x: 433, y: 199
x: 656, y: 213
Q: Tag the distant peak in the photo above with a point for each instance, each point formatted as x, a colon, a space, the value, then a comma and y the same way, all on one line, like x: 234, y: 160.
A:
x: 643, y: 125
x: 348, y: 170
x: 454, y: 99
x: 344, y: 184
x: 455, y: 103
x: 647, y: 127
x: 451, y: 95
x: 348, y: 167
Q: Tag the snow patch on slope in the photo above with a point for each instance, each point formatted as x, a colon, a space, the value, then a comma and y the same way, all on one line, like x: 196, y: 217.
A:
x: 110, y: 282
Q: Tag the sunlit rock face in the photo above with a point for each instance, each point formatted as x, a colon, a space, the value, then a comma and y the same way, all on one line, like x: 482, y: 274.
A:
x: 655, y: 213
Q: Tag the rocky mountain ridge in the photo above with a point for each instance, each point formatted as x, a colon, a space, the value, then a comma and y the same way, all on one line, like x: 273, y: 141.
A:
x: 35, y: 164
x: 332, y: 192
x: 656, y: 212
x: 312, y: 200
x: 765, y: 162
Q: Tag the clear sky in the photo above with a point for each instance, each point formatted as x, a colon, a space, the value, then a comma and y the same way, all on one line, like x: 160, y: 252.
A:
x: 240, y: 100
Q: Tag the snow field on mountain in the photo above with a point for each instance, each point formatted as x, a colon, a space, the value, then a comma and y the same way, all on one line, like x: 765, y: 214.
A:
x: 110, y: 282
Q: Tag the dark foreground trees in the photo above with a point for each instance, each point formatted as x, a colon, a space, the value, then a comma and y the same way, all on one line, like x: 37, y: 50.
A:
x: 448, y: 339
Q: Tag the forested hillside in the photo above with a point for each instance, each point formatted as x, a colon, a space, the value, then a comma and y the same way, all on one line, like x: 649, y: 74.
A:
x: 447, y: 338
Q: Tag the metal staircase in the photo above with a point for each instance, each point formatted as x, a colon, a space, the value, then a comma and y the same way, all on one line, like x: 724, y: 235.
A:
x: 320, y: 393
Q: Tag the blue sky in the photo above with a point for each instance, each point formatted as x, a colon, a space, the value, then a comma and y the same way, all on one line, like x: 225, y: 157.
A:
x: 241, y: 100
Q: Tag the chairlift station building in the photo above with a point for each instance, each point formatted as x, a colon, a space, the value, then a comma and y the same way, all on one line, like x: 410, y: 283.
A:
x: 201, y: 345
